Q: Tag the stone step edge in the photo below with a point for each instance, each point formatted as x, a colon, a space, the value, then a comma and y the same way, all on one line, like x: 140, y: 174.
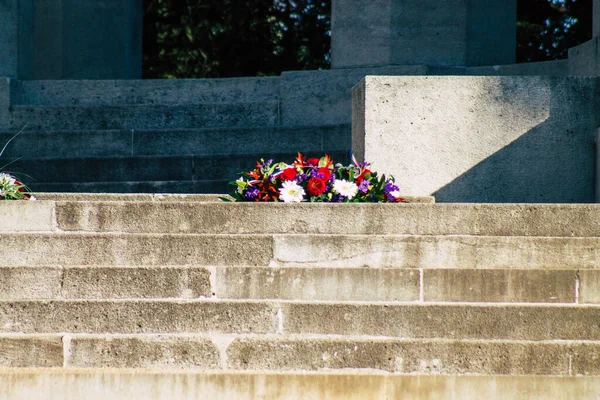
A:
x: 303, y: 353
x: 317, y: 284
x: 148, y: 384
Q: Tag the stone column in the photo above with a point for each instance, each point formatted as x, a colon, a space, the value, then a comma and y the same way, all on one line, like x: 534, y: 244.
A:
x: 71, y: 39
x: 88, y: 39
x: 16, y: 44
x: 584, y: 60
x: 429, y: 32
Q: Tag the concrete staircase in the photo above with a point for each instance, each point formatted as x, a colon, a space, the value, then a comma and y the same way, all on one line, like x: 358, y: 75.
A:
x: 184, y: 136
x: 201, y: 299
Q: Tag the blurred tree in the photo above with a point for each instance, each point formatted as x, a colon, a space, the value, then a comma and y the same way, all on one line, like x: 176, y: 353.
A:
x: 227, y: 38
x: 546, y: 29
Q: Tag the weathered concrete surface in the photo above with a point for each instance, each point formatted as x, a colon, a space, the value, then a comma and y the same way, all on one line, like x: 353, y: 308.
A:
x: 89, y: 316
x: 24, y: 352
x: 449, y: 321
x: 584, y: 60
x: 403, y: 356
x: 480, y: 285
x: 559, y: 220
x: 93, y: 282
x: 118, y: 384
x: 151, y: 91
x: 70, y: 38
x: 314, y: 98
x: 589, y: 286
x: 138, y: 250
x: 542, y: 68
x: 465, y: 252
x: 171, y: 197
x: 132, y: 282
x: 30, y: 282
x: 207, y: 115
x: 16, y: 44
x: 329, y: 284
x: 100, y: 384
x: 26, y: 216
x: 394, y: 32
x: 143, y: 352
x: 480, y: 139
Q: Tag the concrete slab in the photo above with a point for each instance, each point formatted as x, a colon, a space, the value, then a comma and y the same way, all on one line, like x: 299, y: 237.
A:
x: 481, y: 139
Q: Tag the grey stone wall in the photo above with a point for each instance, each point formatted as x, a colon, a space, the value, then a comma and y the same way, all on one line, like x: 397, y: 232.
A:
x: 481, y: 139
x: 430, y: 32
x: 16, y: 45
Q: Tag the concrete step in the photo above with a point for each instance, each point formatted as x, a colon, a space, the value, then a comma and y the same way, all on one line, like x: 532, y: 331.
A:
x: 417, y: 218
x: 127, y: 384
x: 374, y: 251
x: 35, y: 144
x: 305, y: 284
x: 223, y: 168
x: 121, y: 92
x: 459, y: 321
x: 207, y: 115
x: 206, y: 187
x: 295, y: 353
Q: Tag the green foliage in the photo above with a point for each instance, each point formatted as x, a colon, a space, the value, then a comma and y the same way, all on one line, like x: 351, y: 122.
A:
x: 226, y: 38
x: 546, y: 29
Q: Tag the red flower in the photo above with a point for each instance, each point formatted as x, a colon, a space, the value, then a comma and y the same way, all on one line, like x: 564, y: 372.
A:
x: 312, y: 162
x: 316, y: 186
x: 326, y: 172
x: 361, y: 177
x: 288, y: 174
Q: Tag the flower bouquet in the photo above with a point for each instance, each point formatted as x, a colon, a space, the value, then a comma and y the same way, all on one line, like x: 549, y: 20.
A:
x: 10, y: 187
x: 314, y: 180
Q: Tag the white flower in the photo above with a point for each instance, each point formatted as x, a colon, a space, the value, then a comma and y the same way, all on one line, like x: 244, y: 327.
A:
x: 241, y: 185
x: 291, y: 192
x: 345, y: 188
x: 6, y: 180
x: 32, y: 198
x: 395, y: 194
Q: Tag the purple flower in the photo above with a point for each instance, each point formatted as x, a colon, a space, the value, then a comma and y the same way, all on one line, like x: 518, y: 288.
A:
x: 251, y: 193
x: 301, y: 178
x: 390, y: 187
x: 364, y: 186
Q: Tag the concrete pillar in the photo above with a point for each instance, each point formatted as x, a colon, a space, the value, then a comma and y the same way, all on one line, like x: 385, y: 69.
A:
x: 71, y: 39
x: 584, y: 60
x: 16, y: 45
x: 88, y: 39
x: 430, y: 32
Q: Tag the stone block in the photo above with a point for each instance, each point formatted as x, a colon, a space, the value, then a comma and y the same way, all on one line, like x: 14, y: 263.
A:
x: 465, y: 252
x: 408, y: 32
x: 504, y: 286
x: 143, y: 352
x: 27, y: 216
x: 450, y: 321
x: 149, y: 91
x: 215, y: 115
x: 492, y: 387
x: 142, y: 215
x: 120, y: 384
x: 31, y: 352
x: 542, y: 68
x: 30, y: 283
x: 70, y: 39
x: 584, y: 60
x: 480, y: 139
x: 589, y: 286
x: 324, y: 284
x: 16, y: 39
x: 135, y: 282
x: 316, y: 98
x: 139, y: 250
x: 136, y: 317
x: 401, y: 356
